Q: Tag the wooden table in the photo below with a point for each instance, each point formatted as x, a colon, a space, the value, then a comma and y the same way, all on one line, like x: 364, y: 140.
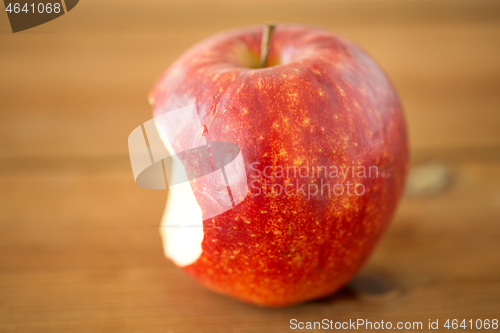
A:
x: 80, y: 247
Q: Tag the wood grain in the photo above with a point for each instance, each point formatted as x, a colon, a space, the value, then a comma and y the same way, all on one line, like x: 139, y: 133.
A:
x: 80, y: 248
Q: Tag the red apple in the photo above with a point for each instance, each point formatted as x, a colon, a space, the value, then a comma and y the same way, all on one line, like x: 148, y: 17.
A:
x: 320, y: 102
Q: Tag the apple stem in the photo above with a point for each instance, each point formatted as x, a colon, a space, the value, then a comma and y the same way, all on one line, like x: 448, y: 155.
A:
x: 264, y: 46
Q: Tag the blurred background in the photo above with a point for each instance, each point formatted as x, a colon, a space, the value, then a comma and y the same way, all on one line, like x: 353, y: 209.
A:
x: 80, y: 247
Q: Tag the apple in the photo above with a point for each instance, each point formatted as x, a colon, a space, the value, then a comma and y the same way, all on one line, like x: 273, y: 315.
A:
x: 323, y: 143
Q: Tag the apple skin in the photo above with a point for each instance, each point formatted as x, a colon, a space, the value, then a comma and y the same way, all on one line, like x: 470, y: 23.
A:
x: 321, y: 100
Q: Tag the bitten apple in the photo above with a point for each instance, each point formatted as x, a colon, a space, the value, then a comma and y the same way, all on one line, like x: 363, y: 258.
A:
x: 323, y: 140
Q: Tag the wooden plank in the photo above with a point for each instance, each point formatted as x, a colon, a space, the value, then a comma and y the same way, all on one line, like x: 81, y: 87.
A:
x: 81, y: 250
x: 446, y: 71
